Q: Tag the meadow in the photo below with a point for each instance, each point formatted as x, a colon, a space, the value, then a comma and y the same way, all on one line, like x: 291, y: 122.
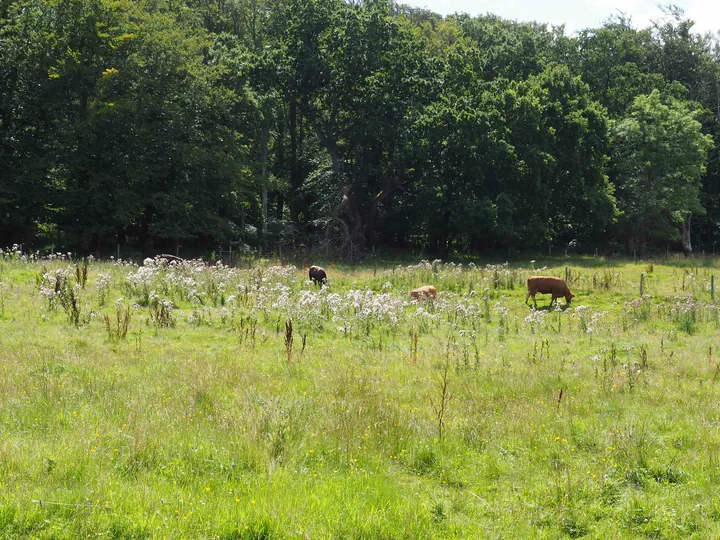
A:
x: 195, y: 400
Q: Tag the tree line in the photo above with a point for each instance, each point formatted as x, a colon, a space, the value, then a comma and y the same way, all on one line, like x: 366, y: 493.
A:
x: 327, y: 124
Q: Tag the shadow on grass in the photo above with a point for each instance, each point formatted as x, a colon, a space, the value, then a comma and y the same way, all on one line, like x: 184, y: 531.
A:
x: 549, y: 307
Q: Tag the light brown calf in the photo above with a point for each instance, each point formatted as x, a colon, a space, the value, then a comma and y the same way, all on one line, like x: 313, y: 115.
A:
x: 426, y: 291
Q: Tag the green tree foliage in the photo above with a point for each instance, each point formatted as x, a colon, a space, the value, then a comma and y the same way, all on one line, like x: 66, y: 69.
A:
x: 517, y: 163
x: 614, y: 61
x: 139, y: 133
x: 659, y: 155
x: 691, y: 61
x: 28, y: 120
x: 359, y: 78
x: 159, y: 123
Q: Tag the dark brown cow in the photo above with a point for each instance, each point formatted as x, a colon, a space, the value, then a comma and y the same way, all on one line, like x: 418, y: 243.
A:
x: 170, y: 258
x: 317, y: 274
x: 548, y: 285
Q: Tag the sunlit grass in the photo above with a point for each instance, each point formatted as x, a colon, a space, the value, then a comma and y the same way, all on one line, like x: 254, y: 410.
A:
x: 598, y: 420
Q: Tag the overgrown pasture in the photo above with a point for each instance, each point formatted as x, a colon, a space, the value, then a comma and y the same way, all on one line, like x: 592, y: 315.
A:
x: 193, y: 400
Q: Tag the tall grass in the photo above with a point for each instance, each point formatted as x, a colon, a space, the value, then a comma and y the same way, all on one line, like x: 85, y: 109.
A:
x: 176, y: 405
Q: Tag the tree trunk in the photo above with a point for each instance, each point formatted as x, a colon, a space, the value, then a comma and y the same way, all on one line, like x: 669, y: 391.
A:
x: 294, y: 166
x: 396, y: 184
x: 686, y: 244
x: 95, y: 243
x: 264, y: 137
x: 280, y: 206
x: 120, y: 236
x: 145, y: 237
x: 439, y: 243
x: 280, y: 162
x: 630, y: 244
x: 347, y: 205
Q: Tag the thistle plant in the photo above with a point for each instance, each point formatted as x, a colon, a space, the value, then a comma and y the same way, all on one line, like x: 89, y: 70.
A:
x: 57, y: 289
x: 289, y: 340
x: 2, y: 299
x: 81, y: 274
x: 443, y: 399
x: 103, y: 283
x: 117, y: 327
x: 161, y: 314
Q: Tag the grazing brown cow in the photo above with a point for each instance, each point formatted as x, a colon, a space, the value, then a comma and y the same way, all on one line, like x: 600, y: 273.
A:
x: 318, y: 275
x: 426, y: 291
x: 548, y: 285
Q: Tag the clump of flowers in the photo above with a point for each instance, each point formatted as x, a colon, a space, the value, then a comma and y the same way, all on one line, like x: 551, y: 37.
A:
x: 536, y: 320
x: 57, y: 289
x: 14, y: 253
x: 53, y: 284
x: 587, y: 321
x: 142, y: 281
x: 161, y: 313
x: 638, y: 310
x: 686, y: 312
x: 103, y: 283
x: 503, y: 316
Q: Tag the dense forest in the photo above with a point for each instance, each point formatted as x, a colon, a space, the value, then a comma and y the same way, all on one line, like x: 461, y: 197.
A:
x: 341, y: 126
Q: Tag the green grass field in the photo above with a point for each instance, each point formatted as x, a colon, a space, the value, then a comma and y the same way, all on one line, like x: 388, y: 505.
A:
x: 247, y: 403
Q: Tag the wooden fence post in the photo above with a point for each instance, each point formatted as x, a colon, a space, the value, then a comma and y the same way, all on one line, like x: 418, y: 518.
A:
x: 712, y: 287
x: 642, y: 283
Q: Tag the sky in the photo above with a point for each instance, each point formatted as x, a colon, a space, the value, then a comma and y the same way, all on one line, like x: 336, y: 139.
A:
x: 579, y: 14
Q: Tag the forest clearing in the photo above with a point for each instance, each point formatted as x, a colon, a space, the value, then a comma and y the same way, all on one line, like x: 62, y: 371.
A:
x: 197, y: 400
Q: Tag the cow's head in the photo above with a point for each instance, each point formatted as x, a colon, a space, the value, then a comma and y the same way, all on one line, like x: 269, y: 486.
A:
x: 569, y: 297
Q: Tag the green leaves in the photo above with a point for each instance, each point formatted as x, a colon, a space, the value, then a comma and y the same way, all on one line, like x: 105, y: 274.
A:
x: 515, y: 162
x: 156, y: 121
x: 659, y: 157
